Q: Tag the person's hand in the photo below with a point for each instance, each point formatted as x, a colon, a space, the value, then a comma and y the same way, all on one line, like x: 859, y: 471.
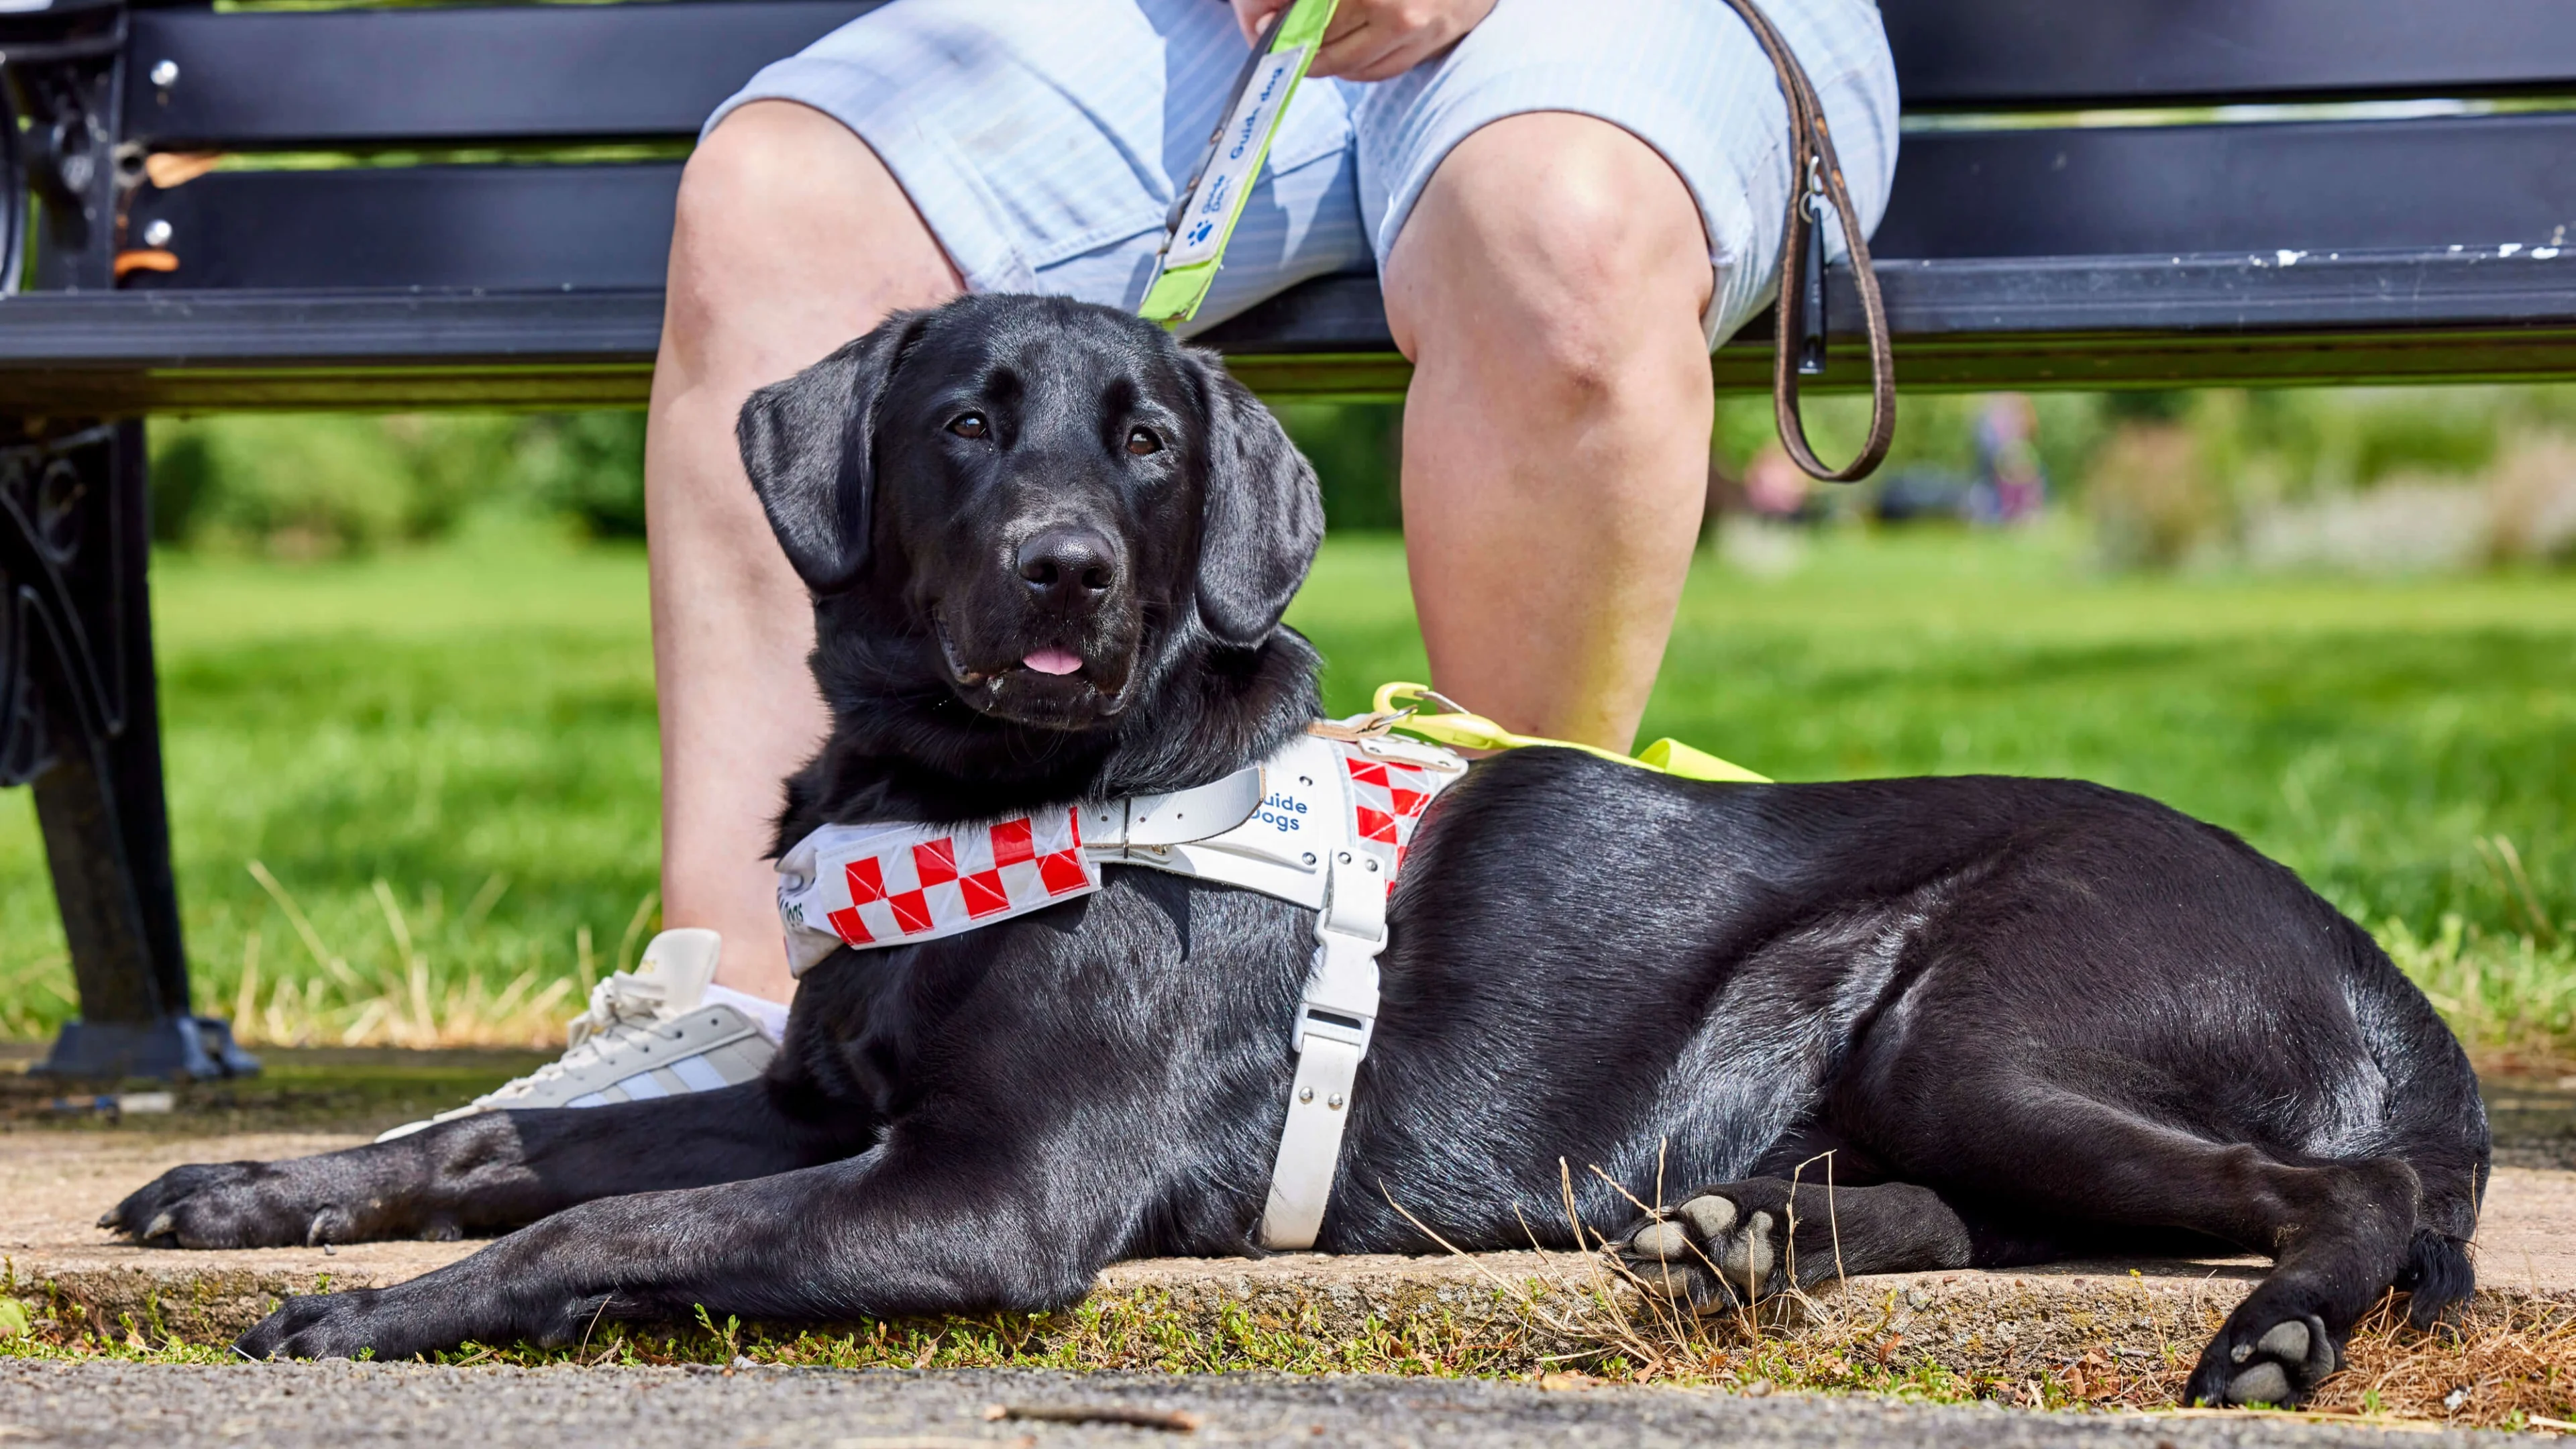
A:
x: 1371, y: 40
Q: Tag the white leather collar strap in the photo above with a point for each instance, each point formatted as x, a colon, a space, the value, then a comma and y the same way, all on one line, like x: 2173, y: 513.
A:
x: 1324, y: 824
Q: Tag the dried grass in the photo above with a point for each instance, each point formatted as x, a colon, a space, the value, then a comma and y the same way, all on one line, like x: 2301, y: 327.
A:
x: 2501, y: 1362
x: 397, y: 994
x: 2504, y: 1364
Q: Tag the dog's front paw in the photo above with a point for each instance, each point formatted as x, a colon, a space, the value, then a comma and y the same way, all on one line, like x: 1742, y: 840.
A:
x: 403, y: 1321
x: 482, y: 1299
x: 1718, y: 1249
x: 2264, y: 1358
x: 224, y: 1205
x: 320, y: 1325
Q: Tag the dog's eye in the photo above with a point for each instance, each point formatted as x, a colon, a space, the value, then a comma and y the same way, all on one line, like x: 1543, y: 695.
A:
x: 968, y: 425
x: 1141, y: 443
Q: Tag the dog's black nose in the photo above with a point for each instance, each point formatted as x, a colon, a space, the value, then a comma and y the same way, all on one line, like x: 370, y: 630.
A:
x: 1068, y: 566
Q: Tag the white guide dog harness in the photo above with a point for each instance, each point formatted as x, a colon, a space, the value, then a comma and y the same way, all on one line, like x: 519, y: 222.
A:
x: 1324, y: 824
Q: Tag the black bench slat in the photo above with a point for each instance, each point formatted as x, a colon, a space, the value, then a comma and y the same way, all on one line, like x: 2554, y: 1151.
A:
x: 1972, y: 53
x: 2224, y: 294
x: 571, y: 71
x: 519, y: 228
x: 2183, y: 190
x: 136, y: 351
x: 529, y: 73
x: 2229, y: 294
x: 2069, y: 321
x: 2180, y: 189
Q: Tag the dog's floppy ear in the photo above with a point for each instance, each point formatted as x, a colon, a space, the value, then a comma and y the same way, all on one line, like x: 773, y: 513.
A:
x: 808, y: 444
x: 1262, y: 515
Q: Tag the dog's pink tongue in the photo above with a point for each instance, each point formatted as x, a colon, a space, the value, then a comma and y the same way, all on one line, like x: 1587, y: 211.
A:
x: 1053, y: 661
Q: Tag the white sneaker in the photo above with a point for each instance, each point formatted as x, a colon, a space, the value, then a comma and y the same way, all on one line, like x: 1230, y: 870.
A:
x: 649, y: 1033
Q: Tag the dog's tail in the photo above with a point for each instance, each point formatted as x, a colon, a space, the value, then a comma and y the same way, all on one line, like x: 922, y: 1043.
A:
x: 2437, y: 1274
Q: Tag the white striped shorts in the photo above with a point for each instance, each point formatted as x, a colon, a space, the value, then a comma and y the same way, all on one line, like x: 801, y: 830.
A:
x: 1043, y: 139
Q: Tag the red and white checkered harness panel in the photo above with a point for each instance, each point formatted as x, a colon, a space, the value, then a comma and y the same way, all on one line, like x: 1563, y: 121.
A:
x: 945, y: 880
x: 920, y: 883
x: 1387, y: 800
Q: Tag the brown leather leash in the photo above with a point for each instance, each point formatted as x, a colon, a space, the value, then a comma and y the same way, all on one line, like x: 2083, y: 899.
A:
x: 1798, y: 343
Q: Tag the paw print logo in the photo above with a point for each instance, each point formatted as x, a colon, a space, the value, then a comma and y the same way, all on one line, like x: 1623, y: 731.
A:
x: 1199, y: 233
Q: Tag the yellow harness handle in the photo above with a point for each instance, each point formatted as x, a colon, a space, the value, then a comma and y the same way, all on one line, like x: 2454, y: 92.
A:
x: 1448, y: 724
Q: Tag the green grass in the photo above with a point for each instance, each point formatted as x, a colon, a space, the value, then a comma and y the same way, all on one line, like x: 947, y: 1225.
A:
x: 472, y: 726
x: 479, y: 717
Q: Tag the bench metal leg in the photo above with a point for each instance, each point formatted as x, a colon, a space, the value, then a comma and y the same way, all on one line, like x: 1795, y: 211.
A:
x: 79, y: 719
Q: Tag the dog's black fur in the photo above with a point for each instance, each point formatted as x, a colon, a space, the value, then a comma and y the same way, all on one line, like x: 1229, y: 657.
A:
x: 2028, y: 1018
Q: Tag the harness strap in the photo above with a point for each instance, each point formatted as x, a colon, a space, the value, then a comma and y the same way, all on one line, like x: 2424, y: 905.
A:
x: 1116, y: 829
x: 1310, y: 1146
x: 1335, y: 1020
x: 1324, y: 823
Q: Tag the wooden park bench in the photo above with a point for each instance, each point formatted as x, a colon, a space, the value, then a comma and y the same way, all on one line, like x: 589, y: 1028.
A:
x: 425, y: 207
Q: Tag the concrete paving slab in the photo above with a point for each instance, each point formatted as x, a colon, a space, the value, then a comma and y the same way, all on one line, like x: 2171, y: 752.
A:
x: 53, y: 1185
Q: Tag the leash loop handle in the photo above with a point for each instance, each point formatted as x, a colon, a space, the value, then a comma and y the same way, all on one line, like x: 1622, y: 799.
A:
x: 1457, y: 728
x: 1798, y: 329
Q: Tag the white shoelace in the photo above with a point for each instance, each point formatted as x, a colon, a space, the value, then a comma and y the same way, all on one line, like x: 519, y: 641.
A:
x: 622, y: 1008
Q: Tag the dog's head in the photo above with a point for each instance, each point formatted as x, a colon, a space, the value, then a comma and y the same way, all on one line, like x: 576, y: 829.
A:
x: 1040, y: 510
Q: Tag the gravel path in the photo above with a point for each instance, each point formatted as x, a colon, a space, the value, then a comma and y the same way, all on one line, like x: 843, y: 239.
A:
x: 334, y: 1406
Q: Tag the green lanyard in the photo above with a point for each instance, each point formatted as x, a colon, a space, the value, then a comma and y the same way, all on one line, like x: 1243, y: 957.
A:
x: 1202, y: 221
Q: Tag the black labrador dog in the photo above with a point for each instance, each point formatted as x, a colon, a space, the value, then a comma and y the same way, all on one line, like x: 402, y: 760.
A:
x: 2028, y: 1018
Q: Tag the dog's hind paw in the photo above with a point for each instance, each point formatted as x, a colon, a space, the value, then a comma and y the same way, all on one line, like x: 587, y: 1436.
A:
x: 2249, y: 1363
x: 1718, y: 1249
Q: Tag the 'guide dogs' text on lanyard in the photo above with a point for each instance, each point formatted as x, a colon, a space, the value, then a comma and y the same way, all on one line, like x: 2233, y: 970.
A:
x: 1209, y: 206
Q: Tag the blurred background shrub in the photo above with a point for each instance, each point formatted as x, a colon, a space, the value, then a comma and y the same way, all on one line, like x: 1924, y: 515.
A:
x: 323, y: 485
x: 587, y: 466
x: 2365, y: 481
x: 2352, y: 480
x: 314, y: 487
x: 1354, y: 447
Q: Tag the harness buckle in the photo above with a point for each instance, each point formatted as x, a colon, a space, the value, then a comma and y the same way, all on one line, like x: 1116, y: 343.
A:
x: 1341, y: 992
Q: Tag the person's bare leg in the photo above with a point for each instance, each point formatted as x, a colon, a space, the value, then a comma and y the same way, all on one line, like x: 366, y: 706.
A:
x: 1548, y: 287
x: 792, y: 238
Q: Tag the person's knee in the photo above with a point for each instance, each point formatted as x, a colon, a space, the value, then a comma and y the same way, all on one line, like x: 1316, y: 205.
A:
x: 1559, y: 241
x: 786, y: 221
x: 758, y: 168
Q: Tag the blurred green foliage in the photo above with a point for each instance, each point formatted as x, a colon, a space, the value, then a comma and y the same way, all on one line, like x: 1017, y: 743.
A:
x: 2367, y: 480
x: 1933, y: 430
x: 1355, y: 448
x: 325, y: 484
x: 589, y: 466
x: 317, y: 486
x: 2164, y: 478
